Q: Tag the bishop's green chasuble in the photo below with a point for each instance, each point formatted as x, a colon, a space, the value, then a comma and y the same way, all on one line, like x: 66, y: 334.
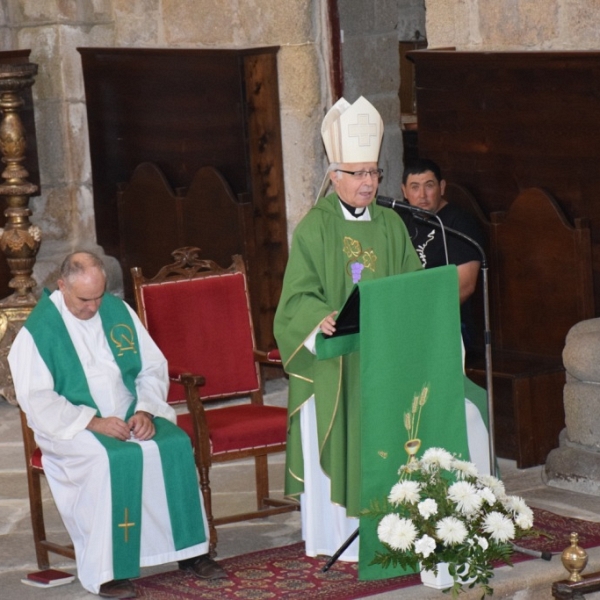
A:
x: 126, y: 461
x: 328, y: 254
x: 408, y: 346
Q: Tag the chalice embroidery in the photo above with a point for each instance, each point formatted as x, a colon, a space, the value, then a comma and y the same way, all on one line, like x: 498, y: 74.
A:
x: 412, y: 420
x: 123, y: 338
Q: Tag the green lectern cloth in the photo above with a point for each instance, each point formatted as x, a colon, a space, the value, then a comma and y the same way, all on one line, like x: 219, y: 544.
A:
x: 409, y: 339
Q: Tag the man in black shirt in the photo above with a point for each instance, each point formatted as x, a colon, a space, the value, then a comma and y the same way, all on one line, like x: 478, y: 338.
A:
x: 423, y: 187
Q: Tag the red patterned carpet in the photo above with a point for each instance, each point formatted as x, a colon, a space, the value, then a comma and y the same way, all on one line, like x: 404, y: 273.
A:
x: 286, y: 574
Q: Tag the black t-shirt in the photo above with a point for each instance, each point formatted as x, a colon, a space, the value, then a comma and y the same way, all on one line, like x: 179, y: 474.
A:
x: 428, y: 240
x: 429, y: 244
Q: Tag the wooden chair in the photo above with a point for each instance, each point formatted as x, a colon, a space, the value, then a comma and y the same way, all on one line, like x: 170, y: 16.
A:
x: 35, y: 470
x: 199, y: 315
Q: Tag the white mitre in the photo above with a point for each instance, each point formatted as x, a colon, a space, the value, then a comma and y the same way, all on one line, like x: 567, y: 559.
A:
x: 352, y: 132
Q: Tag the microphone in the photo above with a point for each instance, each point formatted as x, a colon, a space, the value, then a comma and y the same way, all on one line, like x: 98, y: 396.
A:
x: 404, y: 205
x: 419, y: 213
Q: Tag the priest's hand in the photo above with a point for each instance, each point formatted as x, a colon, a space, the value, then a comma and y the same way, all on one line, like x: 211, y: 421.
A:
x: 141, y: 426
x: 328, y: 324
x: 111, y: 426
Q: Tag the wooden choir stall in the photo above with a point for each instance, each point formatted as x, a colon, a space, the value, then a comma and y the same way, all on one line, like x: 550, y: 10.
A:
x: 186, y: 151
x: 516, y: 135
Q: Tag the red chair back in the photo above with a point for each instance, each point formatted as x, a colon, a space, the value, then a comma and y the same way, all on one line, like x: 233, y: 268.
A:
x: 203, y: 326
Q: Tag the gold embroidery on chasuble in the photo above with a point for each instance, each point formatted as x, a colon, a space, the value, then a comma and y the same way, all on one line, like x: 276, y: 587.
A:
x: 359, y: 259
x: 336, y: 406
x: 126, y: 525
x: 122, y: 337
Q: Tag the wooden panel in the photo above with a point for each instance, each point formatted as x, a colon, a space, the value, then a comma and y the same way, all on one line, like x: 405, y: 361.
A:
x: 500, y: 122
x: 183, y: 110
x: 154, y: 221
x: 148, y: 223
x: 268, y: 225
x: 528, y: 406
x: 408, y: 96
x: 542, y: 266
x: 180, y: 109
x: 540, y: 285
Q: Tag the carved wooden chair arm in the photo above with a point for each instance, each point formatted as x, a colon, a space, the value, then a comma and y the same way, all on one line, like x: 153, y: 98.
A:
x: 272, y: 357
x: 185, y: 377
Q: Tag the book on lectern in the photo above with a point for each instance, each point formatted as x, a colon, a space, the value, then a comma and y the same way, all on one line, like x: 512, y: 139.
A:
x: 48, y: 578
x: 348, y: 319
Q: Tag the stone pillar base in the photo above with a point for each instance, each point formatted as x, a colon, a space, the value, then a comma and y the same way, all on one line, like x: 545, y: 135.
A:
x: 573, y: 467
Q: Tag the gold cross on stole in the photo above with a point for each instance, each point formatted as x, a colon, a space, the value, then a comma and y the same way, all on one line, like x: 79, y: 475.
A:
x: 126, y: 525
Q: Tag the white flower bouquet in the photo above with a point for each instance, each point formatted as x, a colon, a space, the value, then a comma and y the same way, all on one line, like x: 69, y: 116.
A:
x: 443, y: 511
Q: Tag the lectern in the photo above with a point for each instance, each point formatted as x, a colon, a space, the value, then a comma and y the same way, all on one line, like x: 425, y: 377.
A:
x: 406, y: 329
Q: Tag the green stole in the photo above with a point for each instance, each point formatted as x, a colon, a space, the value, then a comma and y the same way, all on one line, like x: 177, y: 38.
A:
x: 126, y: 459
x: 409, y: 338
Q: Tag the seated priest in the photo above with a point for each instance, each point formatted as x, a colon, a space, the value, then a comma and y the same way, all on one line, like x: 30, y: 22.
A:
x: 344, y: 238
x: 93, y: 386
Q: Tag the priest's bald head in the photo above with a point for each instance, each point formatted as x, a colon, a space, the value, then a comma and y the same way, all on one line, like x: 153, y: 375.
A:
x: 352, y: 136
x: 82, y: 283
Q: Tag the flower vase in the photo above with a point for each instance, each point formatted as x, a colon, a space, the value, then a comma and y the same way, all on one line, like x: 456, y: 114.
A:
x: 443, y: 580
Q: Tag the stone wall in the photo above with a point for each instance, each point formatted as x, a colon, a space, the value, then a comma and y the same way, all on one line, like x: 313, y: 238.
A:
x: 372, y: 69
x: 513, y: 24
x: 53, y: 29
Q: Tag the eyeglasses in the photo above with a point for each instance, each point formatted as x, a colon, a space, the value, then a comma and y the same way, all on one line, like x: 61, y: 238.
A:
x: 362, y: 174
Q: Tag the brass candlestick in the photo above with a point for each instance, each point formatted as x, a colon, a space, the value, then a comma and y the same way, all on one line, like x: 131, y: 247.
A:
x: 19, y: 239
x: 574, y: 558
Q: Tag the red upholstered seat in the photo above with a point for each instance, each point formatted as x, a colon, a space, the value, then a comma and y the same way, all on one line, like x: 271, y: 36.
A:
x: 243, y: 427
x: 199, y: 316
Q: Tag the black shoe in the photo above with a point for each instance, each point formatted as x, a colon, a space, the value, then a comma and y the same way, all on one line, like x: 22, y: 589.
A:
x: 117, y: 588
x: 203, y: 567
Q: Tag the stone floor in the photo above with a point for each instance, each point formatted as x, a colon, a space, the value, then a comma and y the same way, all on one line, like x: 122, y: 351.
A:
x: 526, y: 581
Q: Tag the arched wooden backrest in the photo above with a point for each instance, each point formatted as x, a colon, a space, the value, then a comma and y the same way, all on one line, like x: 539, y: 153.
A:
x: 543, y: 268
x: 154, y: 219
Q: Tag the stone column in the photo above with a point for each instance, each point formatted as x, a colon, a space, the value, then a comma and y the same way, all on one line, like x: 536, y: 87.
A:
x: 575, y: 464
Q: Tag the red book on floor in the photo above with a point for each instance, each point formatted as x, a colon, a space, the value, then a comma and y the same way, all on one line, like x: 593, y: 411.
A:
x: 48, y: 578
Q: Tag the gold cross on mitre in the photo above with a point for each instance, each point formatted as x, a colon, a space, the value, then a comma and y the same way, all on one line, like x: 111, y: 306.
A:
x: 126, y: 524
